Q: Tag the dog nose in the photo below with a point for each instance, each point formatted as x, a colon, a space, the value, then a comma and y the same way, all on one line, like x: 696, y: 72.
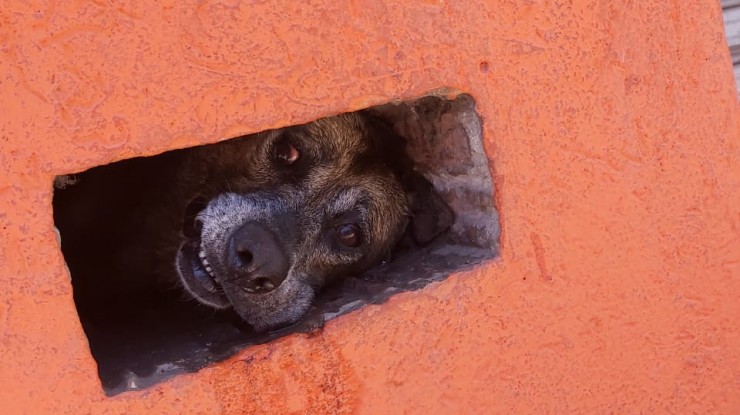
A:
x: 256, y: 258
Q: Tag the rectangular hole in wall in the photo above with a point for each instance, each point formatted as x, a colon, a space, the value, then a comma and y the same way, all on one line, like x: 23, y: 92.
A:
x: 116, y: 226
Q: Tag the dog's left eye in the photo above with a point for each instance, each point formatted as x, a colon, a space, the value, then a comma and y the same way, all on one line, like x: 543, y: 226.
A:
x: 349, y: 235
x: 286, y: 153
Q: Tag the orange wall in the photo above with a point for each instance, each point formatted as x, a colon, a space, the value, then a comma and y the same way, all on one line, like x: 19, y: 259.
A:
x: 613, y: 129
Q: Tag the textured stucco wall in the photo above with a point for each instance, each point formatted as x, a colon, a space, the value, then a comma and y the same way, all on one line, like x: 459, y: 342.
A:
x: 613, y: 128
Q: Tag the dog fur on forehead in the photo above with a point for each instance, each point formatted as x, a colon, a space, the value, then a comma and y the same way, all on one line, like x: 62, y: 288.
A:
x: 244, y: 161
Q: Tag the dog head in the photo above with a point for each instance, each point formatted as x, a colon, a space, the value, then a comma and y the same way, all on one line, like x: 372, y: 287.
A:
x: 282, y: 213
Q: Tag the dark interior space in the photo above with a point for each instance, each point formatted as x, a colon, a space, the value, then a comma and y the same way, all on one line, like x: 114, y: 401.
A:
x: 140, y: 337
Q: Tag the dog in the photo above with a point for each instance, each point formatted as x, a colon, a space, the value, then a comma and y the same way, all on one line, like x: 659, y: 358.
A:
x: 257, y: 224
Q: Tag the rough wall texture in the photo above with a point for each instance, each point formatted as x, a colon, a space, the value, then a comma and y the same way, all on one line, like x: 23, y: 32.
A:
x: 613, y: 129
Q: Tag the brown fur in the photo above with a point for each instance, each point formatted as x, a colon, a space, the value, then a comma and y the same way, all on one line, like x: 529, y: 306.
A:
x: 142, y: 221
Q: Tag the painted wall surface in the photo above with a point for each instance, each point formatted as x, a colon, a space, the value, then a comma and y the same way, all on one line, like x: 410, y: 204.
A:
x: 613, y: 130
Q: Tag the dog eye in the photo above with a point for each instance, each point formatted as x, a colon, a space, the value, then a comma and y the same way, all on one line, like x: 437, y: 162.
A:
x: 286, y: 153
x: 349, y: 235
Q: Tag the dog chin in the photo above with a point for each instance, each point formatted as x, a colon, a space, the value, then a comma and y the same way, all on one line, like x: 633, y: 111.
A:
x: 284, y: 306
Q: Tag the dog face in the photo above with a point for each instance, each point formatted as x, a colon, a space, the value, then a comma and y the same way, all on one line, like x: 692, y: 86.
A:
x: 281, y: 213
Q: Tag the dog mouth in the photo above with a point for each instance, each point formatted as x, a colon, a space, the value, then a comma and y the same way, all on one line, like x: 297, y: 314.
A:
x: 201, y: 269
x: 192, y: 261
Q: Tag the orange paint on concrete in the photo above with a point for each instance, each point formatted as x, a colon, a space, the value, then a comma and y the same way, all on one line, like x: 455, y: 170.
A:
x: 613, y: 129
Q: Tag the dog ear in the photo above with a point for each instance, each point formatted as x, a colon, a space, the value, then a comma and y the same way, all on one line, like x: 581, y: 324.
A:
x: 430, y: 215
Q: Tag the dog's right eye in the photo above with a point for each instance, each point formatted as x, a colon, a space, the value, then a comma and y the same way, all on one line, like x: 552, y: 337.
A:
x: 286, y: 153
x: 349, y: 235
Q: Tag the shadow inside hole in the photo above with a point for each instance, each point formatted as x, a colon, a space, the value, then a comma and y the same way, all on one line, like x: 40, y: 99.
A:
x: 140, y: 339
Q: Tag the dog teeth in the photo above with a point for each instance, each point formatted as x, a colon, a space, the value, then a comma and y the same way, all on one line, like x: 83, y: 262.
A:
x: 269, y: 285
x: 206, y: 264
x: 203, y: 259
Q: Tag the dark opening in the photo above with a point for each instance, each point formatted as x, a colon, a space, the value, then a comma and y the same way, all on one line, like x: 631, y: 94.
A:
x: 141, y: 337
